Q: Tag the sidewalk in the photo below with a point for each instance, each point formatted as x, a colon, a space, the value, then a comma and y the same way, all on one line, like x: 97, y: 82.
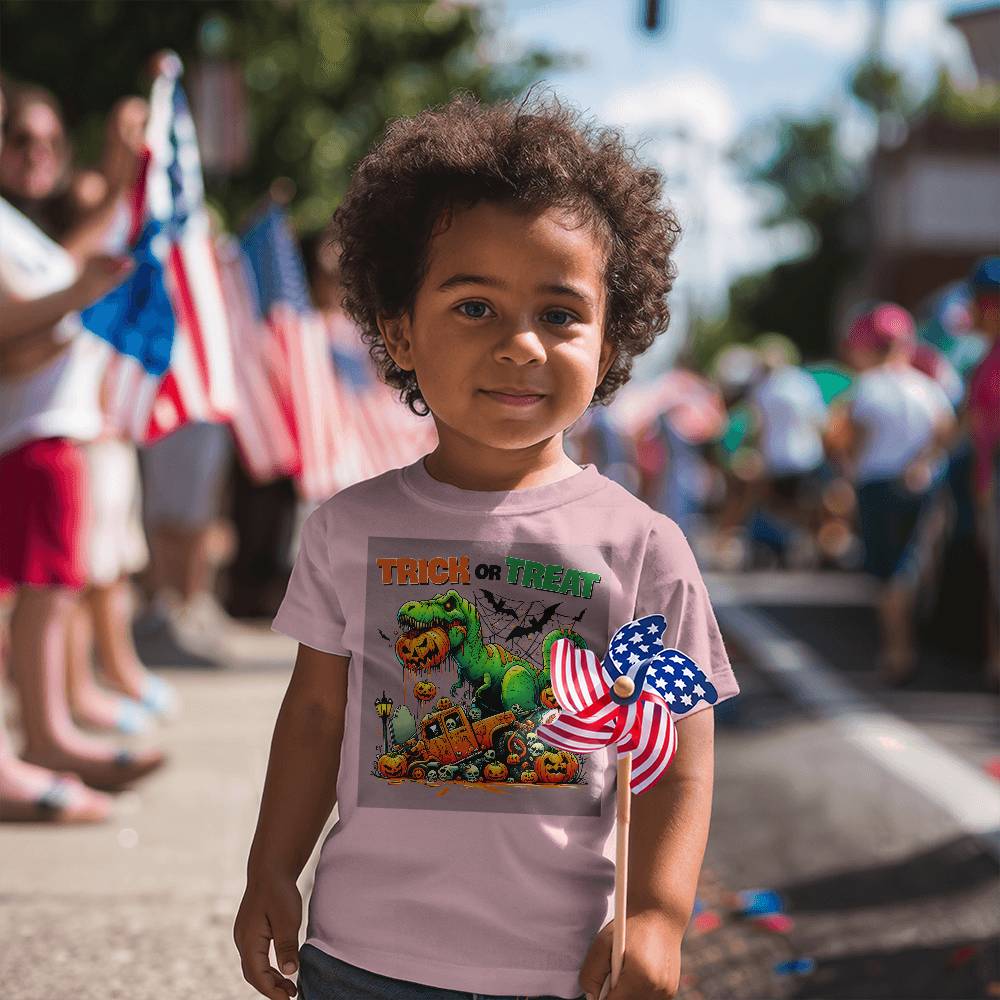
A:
x: 142, y: 908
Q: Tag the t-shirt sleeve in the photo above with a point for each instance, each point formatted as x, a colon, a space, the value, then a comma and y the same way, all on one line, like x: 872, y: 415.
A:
x: 671, y: 584
x: 311, y: 611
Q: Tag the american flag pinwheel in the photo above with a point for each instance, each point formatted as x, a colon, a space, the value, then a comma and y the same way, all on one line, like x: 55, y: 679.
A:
x: 628, y: 699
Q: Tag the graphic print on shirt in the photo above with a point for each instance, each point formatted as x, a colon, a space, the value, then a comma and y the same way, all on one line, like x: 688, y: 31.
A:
x: 456, y: 674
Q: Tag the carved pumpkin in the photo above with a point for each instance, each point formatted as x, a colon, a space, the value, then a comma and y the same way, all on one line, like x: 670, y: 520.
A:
x: 514, y: 758
x: 548, y: 698
x: 442, y: 704
x: 392, y: 765
x: 529, y: 778
x: 423, y: 648
x: 424, y: 690
x: 494, y: 771
x: 556, y: 767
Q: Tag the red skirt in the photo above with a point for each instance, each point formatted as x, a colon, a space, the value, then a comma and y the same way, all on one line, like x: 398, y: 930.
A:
x: 43, y: 510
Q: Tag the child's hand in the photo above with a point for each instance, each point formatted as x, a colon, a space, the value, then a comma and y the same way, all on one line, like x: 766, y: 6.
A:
x: 652, y: 966
x: 271, y: 911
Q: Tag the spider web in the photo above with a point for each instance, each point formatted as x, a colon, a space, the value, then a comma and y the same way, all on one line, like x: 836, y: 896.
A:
x: 496, y: 626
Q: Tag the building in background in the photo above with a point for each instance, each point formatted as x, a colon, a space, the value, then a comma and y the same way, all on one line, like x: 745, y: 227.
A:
x: 936, y: 203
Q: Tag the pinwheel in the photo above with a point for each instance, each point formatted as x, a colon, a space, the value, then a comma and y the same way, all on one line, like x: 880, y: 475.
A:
x: 629, y: 700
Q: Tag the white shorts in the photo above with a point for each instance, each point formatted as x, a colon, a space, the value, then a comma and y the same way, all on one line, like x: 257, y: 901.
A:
x: 184, y: 475
x: 116, y: 542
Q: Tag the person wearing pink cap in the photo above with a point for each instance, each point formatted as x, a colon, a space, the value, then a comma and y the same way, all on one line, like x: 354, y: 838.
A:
x: 901, y: 423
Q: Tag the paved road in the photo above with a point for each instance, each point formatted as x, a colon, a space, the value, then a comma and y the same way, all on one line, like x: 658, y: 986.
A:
x: 889, y: 897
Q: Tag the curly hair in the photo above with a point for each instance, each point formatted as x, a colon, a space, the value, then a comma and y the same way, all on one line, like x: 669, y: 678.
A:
x: 535, y: 155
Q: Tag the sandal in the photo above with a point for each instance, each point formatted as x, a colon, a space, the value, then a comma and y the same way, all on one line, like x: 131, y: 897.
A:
x: 113, y: 775
x: 159, y: 698
x: 66, y: 800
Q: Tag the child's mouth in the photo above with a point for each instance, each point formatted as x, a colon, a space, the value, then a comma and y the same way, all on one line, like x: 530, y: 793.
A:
x: 513, y: 400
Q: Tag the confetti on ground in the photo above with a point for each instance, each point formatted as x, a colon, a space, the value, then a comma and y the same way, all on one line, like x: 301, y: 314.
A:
x: 707, y: 921
x: 776, y: 922
x: 960, y: 956
x: 796, y: 967
x: 760, y: 902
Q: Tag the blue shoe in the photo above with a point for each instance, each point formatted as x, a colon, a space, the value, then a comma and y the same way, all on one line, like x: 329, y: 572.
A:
x: 159, y: 697
x: 132, y: 717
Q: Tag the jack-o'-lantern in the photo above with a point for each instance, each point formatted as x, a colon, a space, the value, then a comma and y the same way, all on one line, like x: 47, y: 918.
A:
x: 556, y: 767
x: 529, y: 778
x: 423, y: 648
x: 548, y: 698
x: 494, y: 771
x: 514, y: 758
x: 424, y: 690
x: 442, y: 704
x: 392, y: 765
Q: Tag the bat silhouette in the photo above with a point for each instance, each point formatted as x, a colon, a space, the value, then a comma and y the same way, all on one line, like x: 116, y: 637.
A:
x: 579, y: 617
x: 535, y: 623
x: 499, y: 604
x: 384, y: 636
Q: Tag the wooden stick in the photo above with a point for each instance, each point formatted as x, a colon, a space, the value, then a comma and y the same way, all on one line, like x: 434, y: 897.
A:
x: 624, y: 808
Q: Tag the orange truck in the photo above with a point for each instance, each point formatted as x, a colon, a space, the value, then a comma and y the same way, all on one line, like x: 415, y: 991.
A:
x: 448, y: 736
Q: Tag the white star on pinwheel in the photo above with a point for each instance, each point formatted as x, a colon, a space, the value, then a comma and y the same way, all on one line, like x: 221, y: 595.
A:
x: 699, y: 690
x: 652, y: 630
x: 686, y: 699
x: 669, y: 669
x: 688, y: 673
x: 680, y: 684
x: 660, y: 682
x: 621, y: 647
x: 676, y: 659
x: 669, y: 698
x: 634, y: 658
x: 635, y: 637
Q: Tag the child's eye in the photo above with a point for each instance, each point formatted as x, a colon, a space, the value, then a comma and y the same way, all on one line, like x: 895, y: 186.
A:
x: 568, y: 317
x: 474, y: 305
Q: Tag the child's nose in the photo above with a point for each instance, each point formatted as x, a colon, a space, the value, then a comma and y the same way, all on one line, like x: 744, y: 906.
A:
x: 521, y: 344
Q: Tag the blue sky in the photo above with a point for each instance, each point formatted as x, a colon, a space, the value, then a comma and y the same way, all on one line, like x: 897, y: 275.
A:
x: 722, y: 65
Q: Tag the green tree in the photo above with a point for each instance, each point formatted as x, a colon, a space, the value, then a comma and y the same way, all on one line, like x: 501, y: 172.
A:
x: 323, y: 76
x: 817, y: 190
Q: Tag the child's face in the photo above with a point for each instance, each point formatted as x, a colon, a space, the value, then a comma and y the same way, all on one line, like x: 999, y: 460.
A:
x: 511, y: 301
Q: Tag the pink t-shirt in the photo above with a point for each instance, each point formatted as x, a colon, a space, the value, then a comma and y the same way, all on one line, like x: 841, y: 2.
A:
x: 984, y: 410
x: 471, y: 857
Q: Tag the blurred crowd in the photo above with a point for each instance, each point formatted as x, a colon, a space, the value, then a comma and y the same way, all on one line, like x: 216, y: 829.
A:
x: 884, y: 459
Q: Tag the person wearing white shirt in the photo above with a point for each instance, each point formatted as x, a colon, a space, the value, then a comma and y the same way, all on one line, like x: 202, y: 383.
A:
x: 901, y: 424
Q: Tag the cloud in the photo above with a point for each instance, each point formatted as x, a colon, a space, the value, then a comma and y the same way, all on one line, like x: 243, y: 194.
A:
x: 840, y: 28
x: 695, y: 101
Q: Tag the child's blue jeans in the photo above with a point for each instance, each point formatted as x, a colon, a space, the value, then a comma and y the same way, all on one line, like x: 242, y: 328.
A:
x: 323, y: 977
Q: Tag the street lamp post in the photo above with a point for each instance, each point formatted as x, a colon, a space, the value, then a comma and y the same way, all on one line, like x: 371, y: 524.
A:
x: 383, y: 706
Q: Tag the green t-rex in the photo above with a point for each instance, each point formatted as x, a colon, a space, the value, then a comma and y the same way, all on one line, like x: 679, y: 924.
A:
x: 501, y: 679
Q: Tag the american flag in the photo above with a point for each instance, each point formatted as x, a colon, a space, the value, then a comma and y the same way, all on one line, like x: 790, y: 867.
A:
x: 389, y: 433
x: 263, y: 421
x: 330, y: 455
x: 666, y: 682
x: 172, y: 358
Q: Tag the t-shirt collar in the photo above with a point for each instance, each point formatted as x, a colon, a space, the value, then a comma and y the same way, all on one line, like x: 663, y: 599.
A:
x: 420, y: 483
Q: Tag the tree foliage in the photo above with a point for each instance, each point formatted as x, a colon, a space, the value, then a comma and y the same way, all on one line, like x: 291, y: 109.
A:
x: 323, y: 76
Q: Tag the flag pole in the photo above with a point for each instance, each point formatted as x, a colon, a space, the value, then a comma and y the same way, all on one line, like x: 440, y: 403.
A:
x: 623, y: 686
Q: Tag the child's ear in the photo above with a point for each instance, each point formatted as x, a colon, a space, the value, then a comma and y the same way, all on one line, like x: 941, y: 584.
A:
x: 396, y: 336
x: 609, y: 351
